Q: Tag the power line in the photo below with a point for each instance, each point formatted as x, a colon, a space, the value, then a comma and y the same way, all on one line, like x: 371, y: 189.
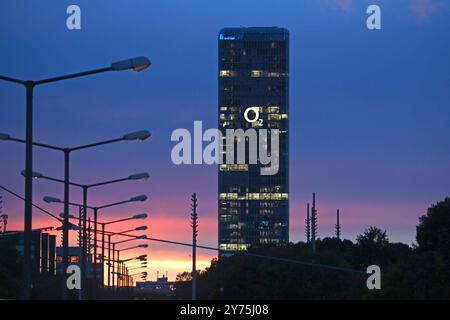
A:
x: 245, y: 253
x: 34, y: 205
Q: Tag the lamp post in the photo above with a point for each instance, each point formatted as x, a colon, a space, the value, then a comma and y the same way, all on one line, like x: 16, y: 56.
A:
x: 138, y: 135
x: 137, y: 216
x: 141, y: 228
x: 85, y: 188
x: 49, y: 199
x: 136, y: 64
x: 110, y: 234
x: 125, y: 249
x: 140, y: 258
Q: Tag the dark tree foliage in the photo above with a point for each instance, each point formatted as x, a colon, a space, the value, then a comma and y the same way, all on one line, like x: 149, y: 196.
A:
x: 433, y: 231
x: 371, y: 248
x: 421, y: 275
x: 420, y: 272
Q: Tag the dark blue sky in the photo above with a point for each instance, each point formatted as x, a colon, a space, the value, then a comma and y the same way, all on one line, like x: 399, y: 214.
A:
x: 369, y: 112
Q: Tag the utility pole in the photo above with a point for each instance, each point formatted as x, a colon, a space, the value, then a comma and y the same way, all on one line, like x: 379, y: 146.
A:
x: 194, y: 225
x: 308, y: 224
x: 338, y: 226
x: 313, y: 224
x: 3, y: 217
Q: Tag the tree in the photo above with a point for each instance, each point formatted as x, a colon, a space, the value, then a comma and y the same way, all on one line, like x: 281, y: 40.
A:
x: 184, y: 276
x: 433, y: 231
x: 371, y: 248
x: 421, y: 275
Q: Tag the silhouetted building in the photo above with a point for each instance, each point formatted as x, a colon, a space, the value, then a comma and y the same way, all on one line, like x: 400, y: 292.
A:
x: 254, y: 73
x: 74, y: 258
x: 43, y: 248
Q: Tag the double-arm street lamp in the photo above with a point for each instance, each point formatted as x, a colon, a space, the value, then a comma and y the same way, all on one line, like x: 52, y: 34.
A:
x: 136, y: 64
x: 139, y: 135
x: 85, y: 188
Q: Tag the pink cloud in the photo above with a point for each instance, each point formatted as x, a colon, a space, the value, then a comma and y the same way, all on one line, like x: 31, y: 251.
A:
x: 423, y: 10
x: 345, y: 5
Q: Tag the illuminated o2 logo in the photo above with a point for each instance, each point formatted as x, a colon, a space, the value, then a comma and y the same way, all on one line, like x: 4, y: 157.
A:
x: 255, y: 118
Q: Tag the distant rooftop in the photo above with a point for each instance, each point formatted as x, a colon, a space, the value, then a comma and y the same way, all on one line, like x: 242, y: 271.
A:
x: 241, y: 33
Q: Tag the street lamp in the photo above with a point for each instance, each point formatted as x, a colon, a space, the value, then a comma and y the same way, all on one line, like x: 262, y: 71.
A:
x: 118, y: 254
x: 138, y: 135
x: 141, y: 198
x: 141, y: 135
x: 138, y: 216
x: 119, y: 267
x: 136, y: 64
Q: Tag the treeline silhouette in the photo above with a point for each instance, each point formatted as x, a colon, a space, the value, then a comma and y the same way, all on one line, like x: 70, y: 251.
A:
x: 418, y: 272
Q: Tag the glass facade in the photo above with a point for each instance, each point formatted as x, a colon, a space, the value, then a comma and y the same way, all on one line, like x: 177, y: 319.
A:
x: 254, y: 73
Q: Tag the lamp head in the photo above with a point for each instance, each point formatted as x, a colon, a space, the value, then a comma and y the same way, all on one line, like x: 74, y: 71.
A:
x: 4, y: 136
x: 139, y: 176
x: 136, y: 64
x: 34, y: 174
x: 142, y: 197
x: 49, y: 199
x: 70, y: 215
x: 138, y: 135
x: 140, y: 216
x: 71, y: 227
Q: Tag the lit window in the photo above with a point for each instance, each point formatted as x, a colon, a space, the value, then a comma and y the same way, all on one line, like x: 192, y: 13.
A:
x: 273, y: 109
x: 234, y: 167
x: 274, y: 117
x: 234, y: 246
x: 225, y: 73
x: 256, y: 73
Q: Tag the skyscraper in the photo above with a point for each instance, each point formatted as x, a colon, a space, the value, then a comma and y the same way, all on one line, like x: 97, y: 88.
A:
x: 254, y: 83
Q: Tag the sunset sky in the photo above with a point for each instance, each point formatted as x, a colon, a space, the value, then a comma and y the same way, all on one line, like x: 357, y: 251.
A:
x: 369, y: 110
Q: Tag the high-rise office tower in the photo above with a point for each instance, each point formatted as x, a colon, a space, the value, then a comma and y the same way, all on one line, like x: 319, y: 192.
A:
x: 254, y: 83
